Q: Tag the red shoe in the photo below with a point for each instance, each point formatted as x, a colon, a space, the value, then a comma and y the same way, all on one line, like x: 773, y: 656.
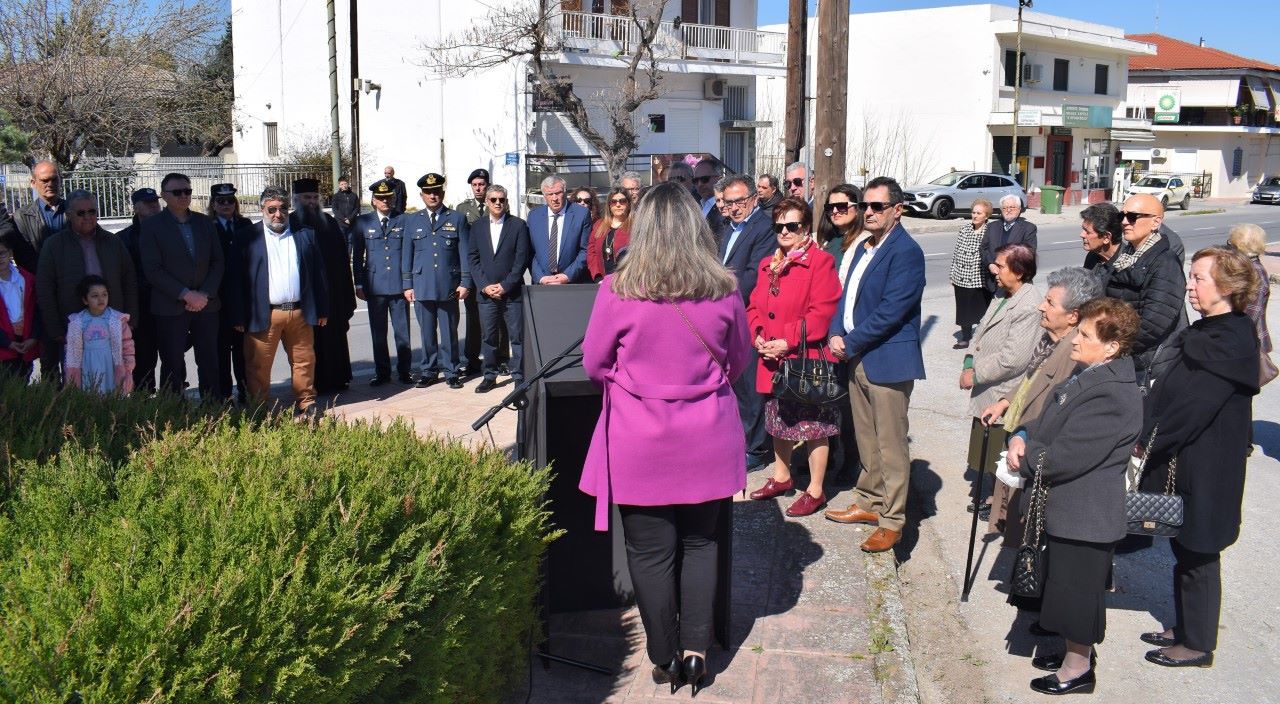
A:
x: 772, y: 489
x: 806, y: 505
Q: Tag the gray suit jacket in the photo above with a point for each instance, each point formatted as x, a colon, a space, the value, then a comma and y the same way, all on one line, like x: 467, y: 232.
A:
x: 170, y: 269
x: 1003, y: 345
x: 62, y: 267
x: 1084, y: 438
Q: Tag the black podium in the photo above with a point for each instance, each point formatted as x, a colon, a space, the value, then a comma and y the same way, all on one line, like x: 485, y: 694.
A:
x: 585, y: 569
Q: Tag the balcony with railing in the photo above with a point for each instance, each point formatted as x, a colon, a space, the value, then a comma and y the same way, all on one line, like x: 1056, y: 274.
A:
x: 616, y: 35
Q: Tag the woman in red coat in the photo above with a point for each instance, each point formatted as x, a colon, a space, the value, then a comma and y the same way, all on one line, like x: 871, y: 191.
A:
x: 18, y: 333
x: 610, y: 236
x: 797, y: 284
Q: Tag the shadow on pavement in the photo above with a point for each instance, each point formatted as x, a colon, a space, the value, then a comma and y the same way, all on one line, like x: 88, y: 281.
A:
x: 1266, y: 434
x: 921, y: 504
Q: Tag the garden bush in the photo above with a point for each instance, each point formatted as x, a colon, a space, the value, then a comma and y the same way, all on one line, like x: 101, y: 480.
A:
x: 272, y: 562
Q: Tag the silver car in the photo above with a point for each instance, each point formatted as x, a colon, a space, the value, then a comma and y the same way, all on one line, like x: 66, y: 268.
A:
x: 1268, y: 191
x: 957, y: 190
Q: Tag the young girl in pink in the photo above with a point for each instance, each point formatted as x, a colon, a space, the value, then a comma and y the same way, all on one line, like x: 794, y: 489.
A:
x: 100, y: 355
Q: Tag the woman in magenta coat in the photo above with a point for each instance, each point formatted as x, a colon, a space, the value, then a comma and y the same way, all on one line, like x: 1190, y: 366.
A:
x: 797, y: 290
x: 667, y: 336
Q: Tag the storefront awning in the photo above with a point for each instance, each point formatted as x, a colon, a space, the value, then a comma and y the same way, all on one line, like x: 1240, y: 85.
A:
x: 1133, y: 135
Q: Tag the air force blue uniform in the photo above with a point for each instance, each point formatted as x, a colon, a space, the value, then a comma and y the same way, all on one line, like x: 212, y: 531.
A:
x: 434, y: 264
x: 376, y: 253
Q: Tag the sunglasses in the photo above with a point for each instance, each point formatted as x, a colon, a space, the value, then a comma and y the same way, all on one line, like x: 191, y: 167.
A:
x: 277, y: 209
x: 681, y: 179
x: 792, y: 227
x: 224, y: 200
x: 496, y: 201
x: 703, y: 179
x: 797, y: 182
x: 841, y: 208
x: 584, y: 200
x: 87, y: 212
x: 1133, y: 218
x: 875, y: 207
x: 179, y: 191
x: 619, y: 201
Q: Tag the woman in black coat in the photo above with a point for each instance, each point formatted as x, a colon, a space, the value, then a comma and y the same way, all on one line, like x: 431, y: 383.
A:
x: 1201, y: 414
x: 1081, y: 444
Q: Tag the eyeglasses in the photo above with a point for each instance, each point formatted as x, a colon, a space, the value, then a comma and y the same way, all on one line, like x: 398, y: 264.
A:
x: 224, y: 200
x: 797, y: 182
x: 1133, y: 218
x: 619, y: 201
x: 282, y: 209
x: 792, y: 227
x: 874, y: 207
x: 87, y: 212
x: 737, y: 201
x: 839, y: 207
x: 497, y: 201
x: 703, y: 179
x: 180, y: 192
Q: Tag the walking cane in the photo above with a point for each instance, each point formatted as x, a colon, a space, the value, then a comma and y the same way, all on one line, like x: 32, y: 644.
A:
x: 977, y: 499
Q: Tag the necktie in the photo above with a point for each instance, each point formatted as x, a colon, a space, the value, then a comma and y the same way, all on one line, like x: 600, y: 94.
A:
x: 384, y: 224
x: 433, y: 221
x: 552, y: 245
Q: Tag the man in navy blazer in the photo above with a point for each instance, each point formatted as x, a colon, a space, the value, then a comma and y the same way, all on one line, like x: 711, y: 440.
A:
x: 877, y: 328
x: 499, y: 254
x: 281, y: 293
x: 746, y: 239
x: 571, y: 226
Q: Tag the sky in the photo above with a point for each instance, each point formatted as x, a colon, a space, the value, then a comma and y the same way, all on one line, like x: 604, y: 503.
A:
x: 1244, y: 27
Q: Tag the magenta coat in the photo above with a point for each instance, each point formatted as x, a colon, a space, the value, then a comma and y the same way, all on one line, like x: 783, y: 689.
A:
x: 669, y: 432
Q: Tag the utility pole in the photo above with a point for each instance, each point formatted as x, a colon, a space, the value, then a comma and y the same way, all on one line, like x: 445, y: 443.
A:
x: 797, y: 43
x: 1014, y: 168
x: 354, y: 176
x: 335, y: 137
x: 831, y: 109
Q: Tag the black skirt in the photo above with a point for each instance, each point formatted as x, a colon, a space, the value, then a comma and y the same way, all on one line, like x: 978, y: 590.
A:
x: 1075, y: 589
x: 971, y: 304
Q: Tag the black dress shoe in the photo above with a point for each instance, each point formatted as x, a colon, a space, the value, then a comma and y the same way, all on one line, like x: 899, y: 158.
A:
x: 424, y: 382
x: 503, y: 369
x: 379, y: 380
x: 1157, y: 639
x: 454, y: 382
x: 1049, y: 684
x: 1038, y: 630
x: 406, y: 378
x: 1158, y: 657
x: 486, y: 385
x: 1052, y: 663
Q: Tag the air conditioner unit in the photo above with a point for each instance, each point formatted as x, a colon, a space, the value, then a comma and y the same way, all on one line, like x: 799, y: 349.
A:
x: 713, y: 89
x: 1032, y: 73
x: 1159, y: 153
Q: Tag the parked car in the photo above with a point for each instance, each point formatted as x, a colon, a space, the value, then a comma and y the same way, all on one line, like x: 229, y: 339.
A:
x: 1268, y: 191
x: 1169, y: 189
x: 957, y: 190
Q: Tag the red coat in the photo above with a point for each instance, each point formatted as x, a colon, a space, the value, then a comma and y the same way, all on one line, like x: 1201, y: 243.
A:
x: 28, y: 318
x: 595, y: 249
x: 808, y: 289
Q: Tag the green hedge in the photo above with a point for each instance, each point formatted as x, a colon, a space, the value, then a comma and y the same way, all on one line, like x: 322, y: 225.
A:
x: 275, y: 562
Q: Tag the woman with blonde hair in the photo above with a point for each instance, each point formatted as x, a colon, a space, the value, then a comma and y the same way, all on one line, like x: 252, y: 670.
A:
x: 1249, y: 240
x: 667, y: 337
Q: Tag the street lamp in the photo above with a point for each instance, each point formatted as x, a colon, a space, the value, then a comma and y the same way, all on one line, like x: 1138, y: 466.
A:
x: 1017, y: 95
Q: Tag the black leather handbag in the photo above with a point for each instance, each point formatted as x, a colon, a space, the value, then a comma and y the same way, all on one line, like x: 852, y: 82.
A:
x: 811, y: 382
x: 1148, y: 512
x: 1029, y: 560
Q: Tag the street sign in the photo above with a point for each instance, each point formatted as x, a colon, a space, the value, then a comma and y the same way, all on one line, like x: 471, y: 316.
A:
x: 1086, y: 116
x: 1029, y: 117
x: 513, y: 159
x: 1168, y: 105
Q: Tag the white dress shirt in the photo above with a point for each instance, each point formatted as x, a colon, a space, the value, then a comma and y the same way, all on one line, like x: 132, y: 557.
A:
x: 283, y: 280
x: 855, y: 278
x: 495, y: 231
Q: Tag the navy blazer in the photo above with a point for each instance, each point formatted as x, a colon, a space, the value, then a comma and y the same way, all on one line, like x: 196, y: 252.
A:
x: 253, y: 303
x: 886, y: 314
x: 505, y: 266
x: 375, y: 255
x: 575, y: 230
x: 433, y: 262
x: 171, y: 269
x: 754, y: 243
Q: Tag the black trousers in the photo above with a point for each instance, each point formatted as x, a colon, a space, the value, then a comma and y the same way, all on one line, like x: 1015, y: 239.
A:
x: 397, y: 308
x: 230, y: 357
x: 145, y: 354
x: 751, y: 410
x: 1197, y: 597
x: 496, y: 318
x: 474, y: 336
x: 1075, y: 589
x: 172, y: 332
x: 653, y: 533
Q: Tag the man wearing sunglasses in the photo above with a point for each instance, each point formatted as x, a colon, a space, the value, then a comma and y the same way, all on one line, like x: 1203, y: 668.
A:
x: 474, y: 209
x: 83, y: 248
x: 877, y: 328
x: 499, y: 253
x: 377, y: 240
x: 799, y: 182
x: 42, y: 218
x: 182, y: 259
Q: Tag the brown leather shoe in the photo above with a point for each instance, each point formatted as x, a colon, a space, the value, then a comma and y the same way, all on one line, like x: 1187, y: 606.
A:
x: 853, y: 514
x: 881, y: 540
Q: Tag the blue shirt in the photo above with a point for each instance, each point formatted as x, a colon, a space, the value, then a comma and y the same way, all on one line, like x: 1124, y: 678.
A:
x: 55, y: 217
x: 188, y: 237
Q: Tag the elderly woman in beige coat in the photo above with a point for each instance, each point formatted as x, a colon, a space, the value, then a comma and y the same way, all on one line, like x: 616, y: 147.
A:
x: 1002, y: 348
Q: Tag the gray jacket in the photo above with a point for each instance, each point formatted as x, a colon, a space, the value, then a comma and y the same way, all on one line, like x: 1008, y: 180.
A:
x: 34, y: 231
x: 1003, y: 345
x: 1084, y: 439
x: 171, y: 269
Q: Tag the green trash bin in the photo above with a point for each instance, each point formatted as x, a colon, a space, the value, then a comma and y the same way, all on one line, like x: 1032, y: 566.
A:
x: 1051, y: 199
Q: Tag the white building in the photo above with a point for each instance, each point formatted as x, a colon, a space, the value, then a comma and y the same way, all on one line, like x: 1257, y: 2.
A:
x: 419, y: 122
x: 932, y: 90
x: 1221, y: 127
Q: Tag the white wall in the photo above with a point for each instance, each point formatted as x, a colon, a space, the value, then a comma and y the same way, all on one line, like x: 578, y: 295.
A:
x: 1215, y: 153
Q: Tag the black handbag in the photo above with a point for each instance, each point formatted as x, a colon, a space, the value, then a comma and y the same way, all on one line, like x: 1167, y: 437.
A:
x: 1148, y: 512
x: 809, y: 382
x: 1029, y: 560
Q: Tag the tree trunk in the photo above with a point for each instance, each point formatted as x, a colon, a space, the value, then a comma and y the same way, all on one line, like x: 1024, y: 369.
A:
x: 616, y: 164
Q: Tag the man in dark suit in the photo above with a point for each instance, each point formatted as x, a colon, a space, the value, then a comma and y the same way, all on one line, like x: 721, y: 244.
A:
x: 401, y: 199
x: 224, y: 208
x: 1011, y: 228
x: 145, y: 204
x: 499, y: 254
x: 280, y: 295
x: 41, y: 218
x: 346, y: 205
x: 333, y: 356
x: 182, y: 258
x: 705, y: 177
x: 377, y: 240
x: 877, y: 328
x: 746, y: 239
x: 435, y: 274
x: 558, y: 233
x: 474, y: 209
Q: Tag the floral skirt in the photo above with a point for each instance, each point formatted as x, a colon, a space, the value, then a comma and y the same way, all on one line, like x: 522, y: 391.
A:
x: 787, y: 420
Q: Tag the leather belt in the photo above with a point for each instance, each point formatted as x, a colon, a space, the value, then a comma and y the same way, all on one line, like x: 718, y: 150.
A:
x: 295, y: 305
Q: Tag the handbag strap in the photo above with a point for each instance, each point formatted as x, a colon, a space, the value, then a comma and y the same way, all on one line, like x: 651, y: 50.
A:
x: 1035, y: 517
x: 705, y: 346
x: 1141, y: 469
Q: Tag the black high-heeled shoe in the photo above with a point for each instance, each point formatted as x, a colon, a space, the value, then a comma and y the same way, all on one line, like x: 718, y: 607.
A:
x: 672, y: 672
x: 695, y: 668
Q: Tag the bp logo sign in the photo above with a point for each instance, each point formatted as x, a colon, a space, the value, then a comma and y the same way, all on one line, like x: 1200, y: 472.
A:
x: 1168, y: 105
x: 1168, y: 102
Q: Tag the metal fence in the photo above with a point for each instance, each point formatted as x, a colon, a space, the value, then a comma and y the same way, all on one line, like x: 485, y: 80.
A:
x: 114, y: 186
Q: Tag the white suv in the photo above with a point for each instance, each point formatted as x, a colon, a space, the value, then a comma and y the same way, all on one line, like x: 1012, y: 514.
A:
x: 1170, y: 190
x: 956, y: 191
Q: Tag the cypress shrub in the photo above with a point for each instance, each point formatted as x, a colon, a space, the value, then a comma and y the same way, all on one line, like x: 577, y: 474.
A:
x: 277, y: 562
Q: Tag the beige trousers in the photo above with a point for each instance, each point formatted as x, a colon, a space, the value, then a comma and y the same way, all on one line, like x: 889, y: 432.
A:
x: 880, y: 426
x: 290, y: 328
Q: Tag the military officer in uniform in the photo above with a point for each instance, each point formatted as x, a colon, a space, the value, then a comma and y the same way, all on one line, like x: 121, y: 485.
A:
x: 376, y: 240
x: 474, y: 209
x: 435, y: 274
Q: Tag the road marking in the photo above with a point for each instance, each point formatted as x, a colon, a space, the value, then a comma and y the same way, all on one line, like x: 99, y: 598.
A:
x: 1076, y: 239
x: 943, y: 254
x: 1198, y: 229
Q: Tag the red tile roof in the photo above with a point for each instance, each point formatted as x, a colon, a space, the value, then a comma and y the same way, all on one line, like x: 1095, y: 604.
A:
x: 1176, y: 54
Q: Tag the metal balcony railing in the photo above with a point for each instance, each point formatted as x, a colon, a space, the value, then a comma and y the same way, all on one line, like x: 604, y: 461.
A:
x: 612, y: 35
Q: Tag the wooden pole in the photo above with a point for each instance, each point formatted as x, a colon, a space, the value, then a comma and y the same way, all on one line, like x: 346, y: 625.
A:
x: 794, y: 128
x: 832, y: 93
x: 357, y: 183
